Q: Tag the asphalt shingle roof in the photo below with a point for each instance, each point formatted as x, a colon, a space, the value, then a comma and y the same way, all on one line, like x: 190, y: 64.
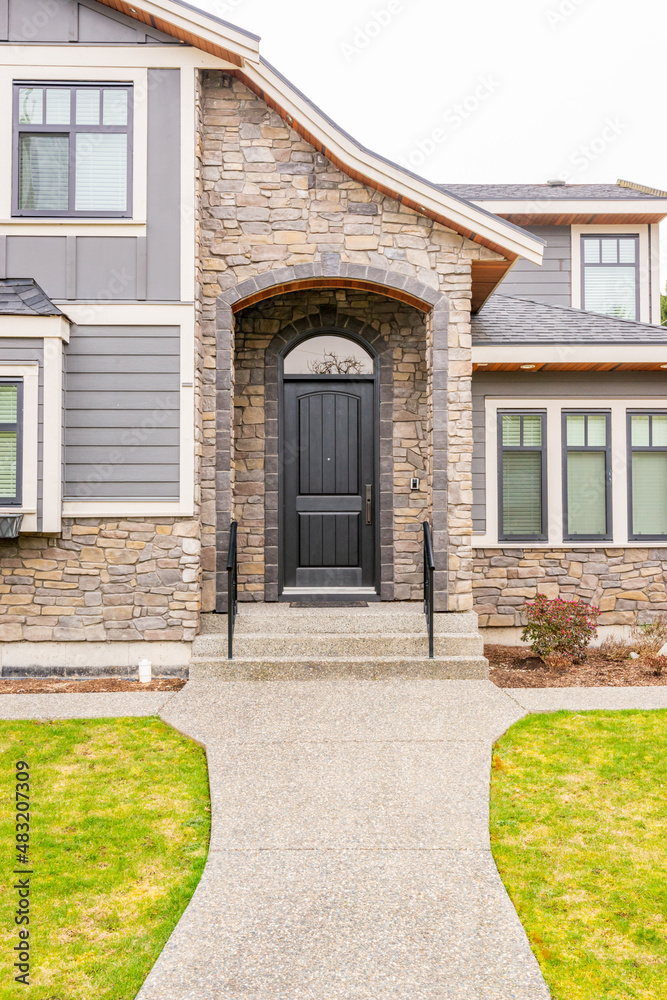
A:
x: 544, y: 192
x: 508, y: 319
x: 24, y: 297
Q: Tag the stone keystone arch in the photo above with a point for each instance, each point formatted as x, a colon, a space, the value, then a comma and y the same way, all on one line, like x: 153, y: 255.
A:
x: 331, y: 273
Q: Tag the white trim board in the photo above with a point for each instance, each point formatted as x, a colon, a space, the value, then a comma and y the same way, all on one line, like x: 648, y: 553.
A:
x: 553, y: 408
x: 35, y: 327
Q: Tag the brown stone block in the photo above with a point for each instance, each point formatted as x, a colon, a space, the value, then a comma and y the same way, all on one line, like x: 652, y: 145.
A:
x: 37, y: 634
x: 40, y: 564
x: 633, y: 595
x: 117, y: 614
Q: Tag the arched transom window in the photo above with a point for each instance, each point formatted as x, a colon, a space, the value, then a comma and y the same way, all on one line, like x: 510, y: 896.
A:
x: 328, y: 354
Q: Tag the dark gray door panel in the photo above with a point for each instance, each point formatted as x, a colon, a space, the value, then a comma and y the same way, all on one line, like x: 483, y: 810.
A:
x: 328, y: 466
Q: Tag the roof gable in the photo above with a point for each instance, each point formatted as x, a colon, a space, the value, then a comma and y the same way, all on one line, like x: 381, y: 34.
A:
x: 241, y: 50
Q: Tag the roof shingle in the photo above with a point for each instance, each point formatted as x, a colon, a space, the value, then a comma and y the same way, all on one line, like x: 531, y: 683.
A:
x: 24, y: 297
x: 508, y: 319
x: 545, y: 192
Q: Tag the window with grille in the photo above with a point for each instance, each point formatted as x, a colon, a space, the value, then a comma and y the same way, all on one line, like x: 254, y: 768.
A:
x: 72, y: 149
x: 610, y: 275
x: 647, y: 434
x: 10, y: 442
x: 522, y: 485
x: 587, y: 476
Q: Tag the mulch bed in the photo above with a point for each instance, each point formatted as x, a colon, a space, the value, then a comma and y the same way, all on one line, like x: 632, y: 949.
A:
x: 517, y: 667
x: 10, y: 685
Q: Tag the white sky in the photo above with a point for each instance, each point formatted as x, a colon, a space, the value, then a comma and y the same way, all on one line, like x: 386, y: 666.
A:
x: 483, y: 90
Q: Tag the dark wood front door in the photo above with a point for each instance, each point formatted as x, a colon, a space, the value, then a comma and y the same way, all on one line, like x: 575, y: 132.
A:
x: 329, y: 490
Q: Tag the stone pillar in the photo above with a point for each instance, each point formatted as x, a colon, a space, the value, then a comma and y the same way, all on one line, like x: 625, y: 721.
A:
x: 223, y: 445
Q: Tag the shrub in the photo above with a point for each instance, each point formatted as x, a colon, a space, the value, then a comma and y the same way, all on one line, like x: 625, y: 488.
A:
x: 649, y: 639
x: 615, y: 649
x: 558, y: 626
x: 656, y: 664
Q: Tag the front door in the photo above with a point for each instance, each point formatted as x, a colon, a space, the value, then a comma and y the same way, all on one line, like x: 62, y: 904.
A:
x: 329, y: 489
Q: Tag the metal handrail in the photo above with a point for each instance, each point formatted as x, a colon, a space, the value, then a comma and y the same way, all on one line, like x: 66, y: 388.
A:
x: 232, y: 588
x: 429, y: 569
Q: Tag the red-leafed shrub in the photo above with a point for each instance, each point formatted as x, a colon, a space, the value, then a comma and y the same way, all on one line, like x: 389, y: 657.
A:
x: 559, y: 627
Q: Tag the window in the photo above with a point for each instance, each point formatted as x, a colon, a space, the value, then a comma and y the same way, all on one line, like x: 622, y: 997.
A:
x: 11, y: 408
x: 610, y: 275
x: 648, y: 475
x: 586, y: 476
x: 328, y: 354
x: 522, y: 454
x: 72, y: 149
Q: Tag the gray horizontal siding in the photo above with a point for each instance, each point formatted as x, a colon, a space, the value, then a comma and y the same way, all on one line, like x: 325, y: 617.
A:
x: 18, y: 350
x: 122, y: 413
x: 547, y: 385
x: 550, y: 283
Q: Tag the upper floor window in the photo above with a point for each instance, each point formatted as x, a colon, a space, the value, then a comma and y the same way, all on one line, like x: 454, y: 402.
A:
x: 610, y: 275
x: 72, y: 150
x: 10, y: 442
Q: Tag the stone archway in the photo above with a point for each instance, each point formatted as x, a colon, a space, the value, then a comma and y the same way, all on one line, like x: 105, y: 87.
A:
x: 331, y: 274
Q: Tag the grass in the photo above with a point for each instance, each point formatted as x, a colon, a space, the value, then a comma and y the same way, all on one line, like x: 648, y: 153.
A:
x: 578, y: 829
x: 120, y: 820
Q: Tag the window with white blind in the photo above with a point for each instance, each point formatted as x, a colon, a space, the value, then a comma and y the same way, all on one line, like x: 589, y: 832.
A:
x: 11, y: 409
x: 522, y: 481
x: 72, y: 150
x: 610, y: 275
x: 647, y: 433
x: 586, y: 476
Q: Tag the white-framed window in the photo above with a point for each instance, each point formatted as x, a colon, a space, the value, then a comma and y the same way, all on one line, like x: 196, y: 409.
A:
x: 11, y: 446
x: 19, y: 402
x: 601, y: 476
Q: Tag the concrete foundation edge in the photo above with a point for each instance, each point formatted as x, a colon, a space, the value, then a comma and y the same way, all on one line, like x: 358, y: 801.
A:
x: 89, y: 658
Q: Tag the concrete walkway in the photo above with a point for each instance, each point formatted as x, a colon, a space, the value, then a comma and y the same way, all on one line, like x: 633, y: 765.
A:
x: 350, y: 853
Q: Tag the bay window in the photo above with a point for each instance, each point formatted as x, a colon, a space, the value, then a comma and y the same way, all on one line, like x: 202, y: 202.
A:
x: 522, y: 480
x: 610, y: 275
x: 647, y: 434
x: 11, y: 409
x: 72, y: 150
x: 586, y: 476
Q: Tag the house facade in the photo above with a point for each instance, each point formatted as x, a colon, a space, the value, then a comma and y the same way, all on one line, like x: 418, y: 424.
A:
x: 216, y: 307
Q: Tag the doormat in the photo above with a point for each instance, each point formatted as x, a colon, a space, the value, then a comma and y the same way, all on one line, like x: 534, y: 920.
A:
x: 314, y: 603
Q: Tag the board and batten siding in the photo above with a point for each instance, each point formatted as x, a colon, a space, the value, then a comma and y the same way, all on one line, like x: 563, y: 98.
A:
x: 119, y: 268
x: 552, y: 281
x: 584, y: 389
x: 122, y: 419
x: 19, y: 350
x: 73, y: 21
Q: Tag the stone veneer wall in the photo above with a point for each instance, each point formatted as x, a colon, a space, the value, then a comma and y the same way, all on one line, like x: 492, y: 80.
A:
x: 268, y: 200
x: 398, y: 334
x: 626, y: 584
x: 102, y: 580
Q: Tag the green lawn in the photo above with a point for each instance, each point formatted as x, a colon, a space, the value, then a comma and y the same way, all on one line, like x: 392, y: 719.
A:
x: 120, y: 820
x: 579, y: 833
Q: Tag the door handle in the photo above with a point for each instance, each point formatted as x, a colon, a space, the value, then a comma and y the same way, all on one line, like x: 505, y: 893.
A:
x: 369, y: 503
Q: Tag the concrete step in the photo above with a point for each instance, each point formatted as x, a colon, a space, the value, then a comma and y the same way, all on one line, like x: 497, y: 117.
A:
x: 329, y: 668
x: 313, y: 645
x: 280, y: 619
